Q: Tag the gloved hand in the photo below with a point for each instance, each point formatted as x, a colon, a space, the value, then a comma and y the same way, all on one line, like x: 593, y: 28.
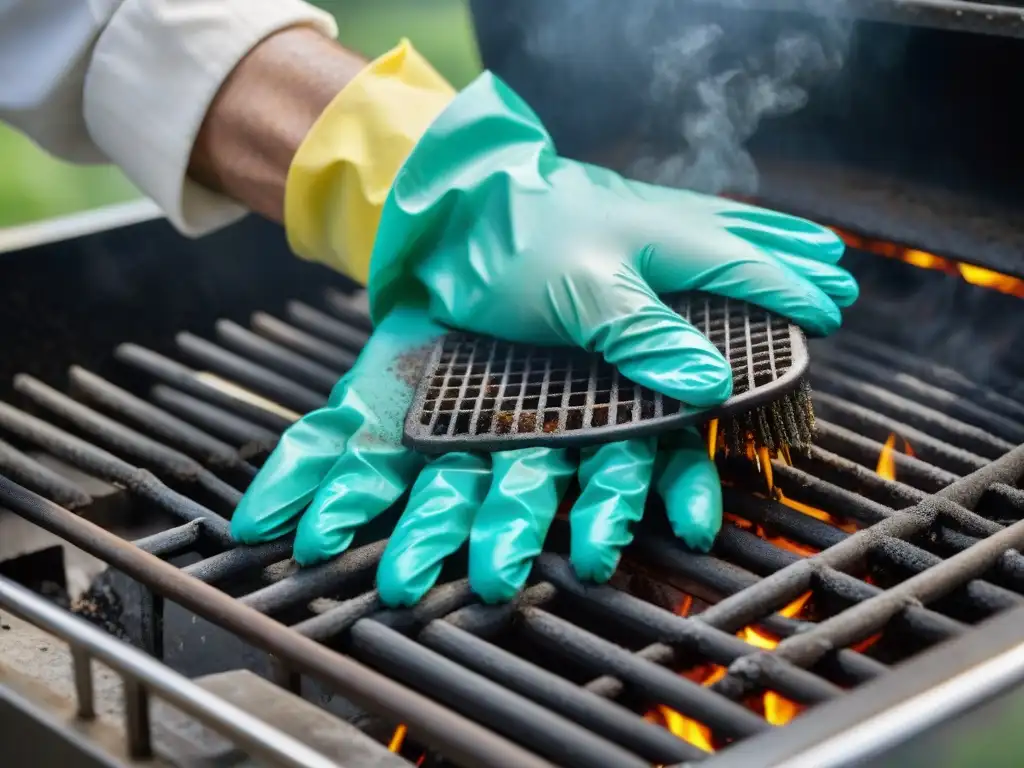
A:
x: 468, y: 209
x: 342, y: 465
x: 503, y: 237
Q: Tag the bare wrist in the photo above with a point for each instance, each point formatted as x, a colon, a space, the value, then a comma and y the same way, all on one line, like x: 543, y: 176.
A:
x: 262, y: 113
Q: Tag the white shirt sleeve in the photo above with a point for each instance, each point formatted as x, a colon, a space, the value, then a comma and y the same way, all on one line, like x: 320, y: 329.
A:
x: 130, y: 81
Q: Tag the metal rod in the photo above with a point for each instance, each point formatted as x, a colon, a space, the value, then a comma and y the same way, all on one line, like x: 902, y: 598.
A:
x: 41, y: 479
x: 140, y: 672
x: 865, y: 618
x: 657, y: 683
x: 323, y: 325
x: 914, y: 414
x: 277, y: 357
x: 105, y: 465
x: 219, y: 421
x: 353, y: 308
x: 505, y: 711
x: 184, y: 378
x: 127, y: 441
x: 951, y: 380
x: 156, y: 421
x: 647, y: 739
x: 328, y: 578
x: 908, y: 387
x: 310, y: 346
x: 234, y: 562
x: 461, y: 740
x: 261, y: 379
x: 866, y: 451
x: 136, y: 719
x: 869, y: 423
x: 82, y: 663
x: 688, y: 634
x: 171, y: 541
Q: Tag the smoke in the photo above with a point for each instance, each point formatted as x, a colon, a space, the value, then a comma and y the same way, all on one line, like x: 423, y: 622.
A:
x: 726, y: 81
x: 703, y: 80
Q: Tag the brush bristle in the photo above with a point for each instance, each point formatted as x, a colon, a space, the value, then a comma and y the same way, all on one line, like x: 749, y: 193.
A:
x: 786, y: 423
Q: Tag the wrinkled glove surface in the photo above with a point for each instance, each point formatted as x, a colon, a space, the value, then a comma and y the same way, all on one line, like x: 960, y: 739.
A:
x: 497, y: 234
x: 342, y: 465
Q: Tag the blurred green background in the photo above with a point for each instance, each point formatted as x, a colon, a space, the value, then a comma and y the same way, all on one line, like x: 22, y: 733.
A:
x: 35, y: 186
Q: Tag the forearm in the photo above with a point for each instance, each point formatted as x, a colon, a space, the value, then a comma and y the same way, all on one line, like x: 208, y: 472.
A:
x: 262, y: 113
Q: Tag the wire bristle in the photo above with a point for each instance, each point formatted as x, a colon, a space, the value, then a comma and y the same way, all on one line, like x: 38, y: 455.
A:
x: 784, y: 423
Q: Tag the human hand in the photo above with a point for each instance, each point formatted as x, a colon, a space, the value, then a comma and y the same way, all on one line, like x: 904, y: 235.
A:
x: 498, y: 235
x: 339, y: 467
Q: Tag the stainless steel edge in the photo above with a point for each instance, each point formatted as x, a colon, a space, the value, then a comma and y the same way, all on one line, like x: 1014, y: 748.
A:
x: 77, y: 225
x: 892, y: 726
x: 254, y: 735
x: 930, y: 689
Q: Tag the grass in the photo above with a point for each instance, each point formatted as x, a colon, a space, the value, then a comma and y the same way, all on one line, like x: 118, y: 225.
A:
x: 36, y: 186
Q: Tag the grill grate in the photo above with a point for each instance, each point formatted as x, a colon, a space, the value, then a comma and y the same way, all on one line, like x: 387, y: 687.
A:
x: 569, y: 669
x: 480, y: 393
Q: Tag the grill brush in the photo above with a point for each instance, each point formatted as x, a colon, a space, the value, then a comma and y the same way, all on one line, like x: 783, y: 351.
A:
x: 478, y: 393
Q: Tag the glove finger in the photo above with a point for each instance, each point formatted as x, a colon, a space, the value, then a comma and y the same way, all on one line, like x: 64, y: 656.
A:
x: 369, y: 477
x: 838, y: 284
x: 511, y: 525
x: 436, y: 522
x: 290, y: 476
x: 614, y: 480
x: 781, y: 231
x: 719, y: 262
x: 835, y: 281
x: 688, y: 484
x: 648, y: 342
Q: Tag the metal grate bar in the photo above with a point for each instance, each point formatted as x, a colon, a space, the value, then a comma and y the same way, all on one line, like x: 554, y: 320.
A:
x: 463, y: 740
x: 304, y: 343
x: 914, y: 414
x: 950, y: 380
x: 259, y: 378
x: 123, y: 404
x: 503, y: 710
x: 220, y: 422
x: 188, y: 380
x: 915, y: 390
x: 352, y: 308
x: 127, y: 441
x: 865, y: 451
x: 244, y: 341
x: 325, y: 326
x: 297, y: 587
x: 650, y: 741
x: 869, y: 423
x: 108, y: 467
x: 32, y: 474
x: 172, y: 541
x: 234, y: 562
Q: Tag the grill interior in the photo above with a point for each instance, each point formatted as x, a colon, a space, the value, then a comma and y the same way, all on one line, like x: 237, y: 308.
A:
x: 479, y: 393
x: 157, y: 438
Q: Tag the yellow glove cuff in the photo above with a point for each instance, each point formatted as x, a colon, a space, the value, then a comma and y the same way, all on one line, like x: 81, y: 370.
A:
x: 341, y: 175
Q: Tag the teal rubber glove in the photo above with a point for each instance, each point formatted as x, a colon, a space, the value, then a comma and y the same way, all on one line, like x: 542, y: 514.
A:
x: 340, y: 466
x: 499, y: 235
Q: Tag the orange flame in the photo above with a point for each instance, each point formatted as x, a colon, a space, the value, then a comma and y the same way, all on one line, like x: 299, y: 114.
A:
x: 886, y: 459
x: 398, y: 739
x: 776, y: 709
x: 979, y: 276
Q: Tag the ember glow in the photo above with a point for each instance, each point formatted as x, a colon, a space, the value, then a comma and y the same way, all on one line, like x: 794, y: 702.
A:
x: 980, y: 276
x: 776, y: 709
x: 773, y: 707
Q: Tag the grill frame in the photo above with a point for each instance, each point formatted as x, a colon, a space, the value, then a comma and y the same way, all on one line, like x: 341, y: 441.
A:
x: 453, y: 605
